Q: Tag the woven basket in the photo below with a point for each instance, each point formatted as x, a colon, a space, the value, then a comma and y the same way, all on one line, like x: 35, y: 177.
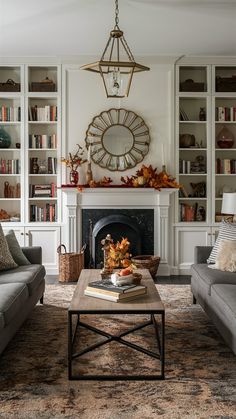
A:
x: 149, y: 262
x: 70, y: 264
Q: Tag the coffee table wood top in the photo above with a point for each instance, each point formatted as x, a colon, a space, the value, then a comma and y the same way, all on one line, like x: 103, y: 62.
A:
x: 148, y: 303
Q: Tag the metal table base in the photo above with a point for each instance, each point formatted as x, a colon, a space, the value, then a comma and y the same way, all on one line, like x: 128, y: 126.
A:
x: 119, y: 338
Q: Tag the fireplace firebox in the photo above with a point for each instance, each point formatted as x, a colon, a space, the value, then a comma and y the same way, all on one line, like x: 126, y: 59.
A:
x: 137, y: 225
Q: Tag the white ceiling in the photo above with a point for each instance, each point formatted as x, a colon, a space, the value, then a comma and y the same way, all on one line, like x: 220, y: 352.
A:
x: 152, y: 27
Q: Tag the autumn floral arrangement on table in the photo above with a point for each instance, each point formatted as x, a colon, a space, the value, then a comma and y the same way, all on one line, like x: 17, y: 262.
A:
x: 73, y: 162
x: 149, y: 177
x: 117, y: 255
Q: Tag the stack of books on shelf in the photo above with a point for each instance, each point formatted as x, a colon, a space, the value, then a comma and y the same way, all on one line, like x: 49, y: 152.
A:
x: 225, y: 113
x: 10, y: 167
x: 225, y: 166
x: 10, y: 114
x: 42, y: 191
x: 42, y: 141
x: 107, y: 291
x: 43, y: 214
x: 43, y: 114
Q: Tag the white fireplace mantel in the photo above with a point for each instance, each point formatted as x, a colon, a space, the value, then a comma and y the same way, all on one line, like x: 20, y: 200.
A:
x: 114, y: 198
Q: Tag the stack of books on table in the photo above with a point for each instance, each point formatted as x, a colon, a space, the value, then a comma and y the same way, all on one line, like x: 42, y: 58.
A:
x: 107, y: 291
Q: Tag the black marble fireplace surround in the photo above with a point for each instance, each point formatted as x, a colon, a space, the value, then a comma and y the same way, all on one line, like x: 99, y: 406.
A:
x: 135, y: 224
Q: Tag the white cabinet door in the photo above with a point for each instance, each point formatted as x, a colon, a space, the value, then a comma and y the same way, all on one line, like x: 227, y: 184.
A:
x: 19, y: 232
x: 186, y: 239
x: 49, y: 239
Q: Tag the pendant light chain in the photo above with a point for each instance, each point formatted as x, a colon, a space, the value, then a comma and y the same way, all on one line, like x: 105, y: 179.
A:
x: 117, y: 14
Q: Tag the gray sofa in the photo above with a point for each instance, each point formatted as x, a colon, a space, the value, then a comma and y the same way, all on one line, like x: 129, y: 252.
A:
x: 20, y: 290
x: 215, y: 291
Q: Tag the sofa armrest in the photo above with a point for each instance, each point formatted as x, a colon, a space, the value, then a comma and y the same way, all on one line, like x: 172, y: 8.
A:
x: 33, y: 254
x: 202, y: 253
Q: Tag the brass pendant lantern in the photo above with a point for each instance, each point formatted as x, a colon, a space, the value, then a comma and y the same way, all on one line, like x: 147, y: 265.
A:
x: 117, y: 64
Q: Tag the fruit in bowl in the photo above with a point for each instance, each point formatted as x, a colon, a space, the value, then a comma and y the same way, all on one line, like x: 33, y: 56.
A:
x: 126, y: 271
x: 126, y: 276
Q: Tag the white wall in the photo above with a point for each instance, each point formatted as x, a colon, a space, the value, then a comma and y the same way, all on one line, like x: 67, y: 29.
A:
x: 151, y: 97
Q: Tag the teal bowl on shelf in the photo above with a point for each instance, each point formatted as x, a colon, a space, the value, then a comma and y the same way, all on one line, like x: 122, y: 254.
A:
x: 5, y: 139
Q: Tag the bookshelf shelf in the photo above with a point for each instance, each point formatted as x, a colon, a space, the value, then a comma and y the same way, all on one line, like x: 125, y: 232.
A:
x: 193, y: 122
x: 42, y: 122
x: 10, y: 174
x: 43, y: 199
x: 42, y: 174
x: 42, y: 149
x: 10, y: 199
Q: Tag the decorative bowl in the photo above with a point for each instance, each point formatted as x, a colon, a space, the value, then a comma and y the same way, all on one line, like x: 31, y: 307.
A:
x: 225, y: 143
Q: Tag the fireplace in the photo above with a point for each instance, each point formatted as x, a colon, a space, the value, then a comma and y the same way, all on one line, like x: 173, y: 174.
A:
x: 137, y: 225
x: 96, y: 203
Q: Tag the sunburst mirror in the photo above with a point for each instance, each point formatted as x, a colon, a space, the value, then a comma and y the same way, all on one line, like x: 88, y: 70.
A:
x: 119, y: 139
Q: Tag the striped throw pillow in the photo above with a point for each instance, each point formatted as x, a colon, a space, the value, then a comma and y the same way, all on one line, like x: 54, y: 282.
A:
x: 227, y: 232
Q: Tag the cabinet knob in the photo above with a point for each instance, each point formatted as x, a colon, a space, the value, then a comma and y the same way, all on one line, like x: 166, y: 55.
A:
x: 209, y: 234
x: 22, y: 234
x: 27, y: 234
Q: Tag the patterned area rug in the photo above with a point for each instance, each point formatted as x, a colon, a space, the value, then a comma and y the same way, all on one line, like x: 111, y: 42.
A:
x: 200, y: 368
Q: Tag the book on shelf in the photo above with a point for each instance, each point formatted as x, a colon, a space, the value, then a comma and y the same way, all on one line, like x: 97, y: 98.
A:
x: 52, y: 165
x: 224, y: 113
x: 106, y: 290
x: 42, y: 141
x: 43, y: 214
x: 182, y: 115
x: 10, y: 114
x: 46, y: 113
x: 10, y: 167
x: 225, y: 166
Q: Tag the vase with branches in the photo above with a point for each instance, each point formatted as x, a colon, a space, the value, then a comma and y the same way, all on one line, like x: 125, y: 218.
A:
x: 73, y: 161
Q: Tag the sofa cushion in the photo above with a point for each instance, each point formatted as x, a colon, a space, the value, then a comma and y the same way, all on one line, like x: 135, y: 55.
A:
x: 6, y: 259
x: 31, y: 275
x: 226, y: 257
x: 224, y: 299
x: 210, y: 277
x: 15, y: 249
x: 12, y: 298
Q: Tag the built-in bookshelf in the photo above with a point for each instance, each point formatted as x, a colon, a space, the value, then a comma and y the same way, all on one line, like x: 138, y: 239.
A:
x: 224, y: 133
x: 30, y: 127
x: 193, y: 116
x: 206, y: 140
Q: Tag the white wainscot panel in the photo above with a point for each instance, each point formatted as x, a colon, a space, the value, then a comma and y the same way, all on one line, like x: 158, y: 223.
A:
x: 48, y: 239
x: 186, y: 241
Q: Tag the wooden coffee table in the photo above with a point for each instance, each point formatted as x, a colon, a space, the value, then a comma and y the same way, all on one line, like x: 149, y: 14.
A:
x: 149, y: 304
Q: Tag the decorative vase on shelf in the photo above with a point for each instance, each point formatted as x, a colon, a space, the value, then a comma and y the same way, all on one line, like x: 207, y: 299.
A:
x: 74, y: 177
x: 225, y: 138
x: 202, y: 114
x: 5, y: 139
x: 35, y: 166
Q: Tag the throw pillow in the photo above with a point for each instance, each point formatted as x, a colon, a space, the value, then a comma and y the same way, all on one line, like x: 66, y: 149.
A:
x: 6, y: 259
x: 226, y: 257
x: 227, y: 232
x: 15, y: 249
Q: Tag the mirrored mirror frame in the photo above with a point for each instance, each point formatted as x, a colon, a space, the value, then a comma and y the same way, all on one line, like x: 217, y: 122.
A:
x: 115, y: 117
